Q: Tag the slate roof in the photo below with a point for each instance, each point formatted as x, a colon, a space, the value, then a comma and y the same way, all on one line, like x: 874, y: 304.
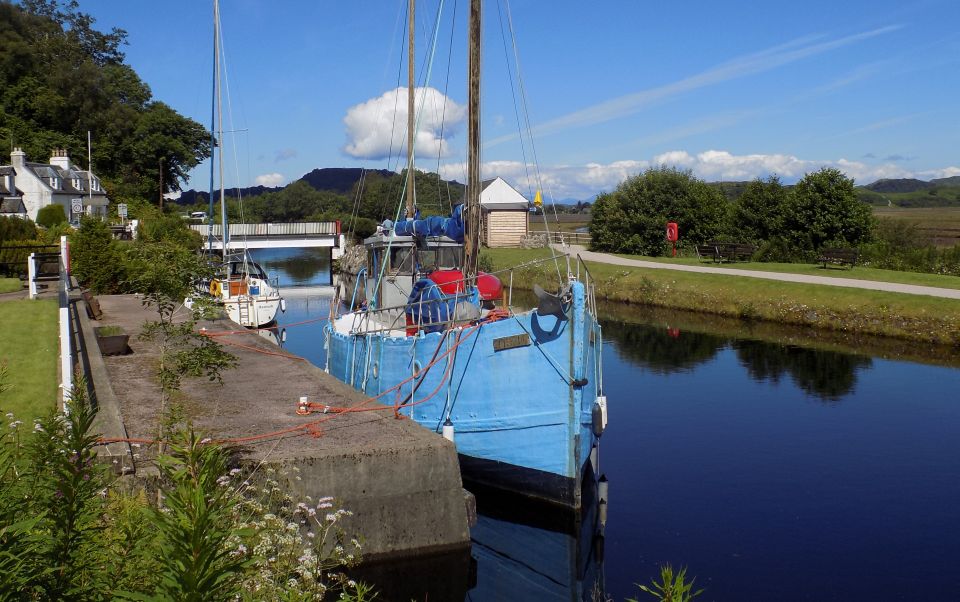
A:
x: 12, y: 205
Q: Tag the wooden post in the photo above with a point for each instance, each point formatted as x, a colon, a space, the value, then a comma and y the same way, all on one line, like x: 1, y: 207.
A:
x: 472, y: 208
x: 411, y: 121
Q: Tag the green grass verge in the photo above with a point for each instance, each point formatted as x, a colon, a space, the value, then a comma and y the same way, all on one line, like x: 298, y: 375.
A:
x: 809, y: 269
x: 912, y: 317
x: 29, y: 346
x: 9, y: 285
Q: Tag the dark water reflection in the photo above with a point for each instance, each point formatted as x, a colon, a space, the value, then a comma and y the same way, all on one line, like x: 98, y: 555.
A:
x: 295, y: 267
x: 828, y: 375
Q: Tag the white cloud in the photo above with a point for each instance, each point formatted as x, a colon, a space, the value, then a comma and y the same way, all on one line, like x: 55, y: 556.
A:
x: 585, y: 181
x: 378, y: 126
x: 269, y: 179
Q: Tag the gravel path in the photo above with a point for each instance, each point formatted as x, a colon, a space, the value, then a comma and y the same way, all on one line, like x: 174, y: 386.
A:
x: 893, y: 287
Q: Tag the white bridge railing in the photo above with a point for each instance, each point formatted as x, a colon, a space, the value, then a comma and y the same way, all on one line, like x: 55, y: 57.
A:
x: 273, y: 230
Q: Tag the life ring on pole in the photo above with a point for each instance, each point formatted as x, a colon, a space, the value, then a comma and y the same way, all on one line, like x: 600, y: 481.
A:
x: 216, y: 288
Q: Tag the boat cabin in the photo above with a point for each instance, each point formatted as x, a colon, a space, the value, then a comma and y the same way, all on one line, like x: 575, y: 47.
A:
x: 403, y: 260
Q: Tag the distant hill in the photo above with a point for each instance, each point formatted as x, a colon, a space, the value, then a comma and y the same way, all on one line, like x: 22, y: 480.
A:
x: 332, y: 179
x: 340, y: 179
x: 899, y: 185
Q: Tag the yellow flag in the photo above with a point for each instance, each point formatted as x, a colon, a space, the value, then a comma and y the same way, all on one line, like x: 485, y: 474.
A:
x: 538, y: 200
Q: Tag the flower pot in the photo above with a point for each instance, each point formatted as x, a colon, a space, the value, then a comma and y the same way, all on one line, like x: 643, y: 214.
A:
x: 112, y: 342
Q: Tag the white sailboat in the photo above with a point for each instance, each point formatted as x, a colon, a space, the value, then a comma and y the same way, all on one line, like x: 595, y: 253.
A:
x: 248, y: 296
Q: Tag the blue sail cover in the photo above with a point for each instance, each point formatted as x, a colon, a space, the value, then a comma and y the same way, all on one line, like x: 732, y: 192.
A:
x: 435, y: 225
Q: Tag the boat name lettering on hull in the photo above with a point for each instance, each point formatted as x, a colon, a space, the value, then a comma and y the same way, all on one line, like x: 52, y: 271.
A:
x: 511, y: 342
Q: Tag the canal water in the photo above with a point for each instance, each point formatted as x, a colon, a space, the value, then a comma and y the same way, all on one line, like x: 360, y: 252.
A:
x: 775, y: 464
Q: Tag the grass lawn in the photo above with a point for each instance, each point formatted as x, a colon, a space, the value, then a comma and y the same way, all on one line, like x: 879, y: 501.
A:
x: 810, y: 269
x: 29, y: 346
x: 9, y: 285
x: 911, y: 317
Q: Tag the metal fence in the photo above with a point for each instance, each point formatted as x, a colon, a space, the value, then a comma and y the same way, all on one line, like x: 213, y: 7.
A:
x: 570, y: 238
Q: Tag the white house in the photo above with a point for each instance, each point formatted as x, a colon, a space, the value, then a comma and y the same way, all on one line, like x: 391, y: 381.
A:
x: 58, y: 181
x: 11, y: 199
x: 504, y: 213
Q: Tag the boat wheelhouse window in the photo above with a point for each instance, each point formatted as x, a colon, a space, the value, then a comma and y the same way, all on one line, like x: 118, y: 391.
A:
x: 441, y: 258
x: 401, y: 260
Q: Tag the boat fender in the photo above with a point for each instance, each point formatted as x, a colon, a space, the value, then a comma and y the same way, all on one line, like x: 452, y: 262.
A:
x: 599, y: 415
x: 603, y: 489
x: 598, y: 545
x: 596, y: 419
x: 448, y: 430
x: 283, y: 305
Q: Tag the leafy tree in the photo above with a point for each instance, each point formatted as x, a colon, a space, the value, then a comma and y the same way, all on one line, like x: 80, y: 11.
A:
x: 60, y: 78
x: 632, y: 218
x: 758, y: 213
x: 51, y: 215
x: 824, y: 210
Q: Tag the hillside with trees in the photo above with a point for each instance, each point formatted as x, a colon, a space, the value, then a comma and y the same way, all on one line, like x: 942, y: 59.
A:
x: 60, y: 78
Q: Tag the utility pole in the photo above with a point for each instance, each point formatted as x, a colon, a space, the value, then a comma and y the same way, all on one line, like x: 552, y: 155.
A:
x: 161, y: 183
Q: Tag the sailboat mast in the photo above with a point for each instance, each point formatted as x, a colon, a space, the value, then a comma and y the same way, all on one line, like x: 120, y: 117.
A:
x: 472, y: 208
x: 213, y: 136
x: 411, y: 122
x: 223, y: 200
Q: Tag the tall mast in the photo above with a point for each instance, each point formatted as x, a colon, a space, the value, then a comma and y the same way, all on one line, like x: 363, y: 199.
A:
x: 411, y: 122
x: 213, y: 119
x: 472, y: 208
x: 223, y: 200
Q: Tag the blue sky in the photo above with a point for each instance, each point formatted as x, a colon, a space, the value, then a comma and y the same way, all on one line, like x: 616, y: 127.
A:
x: 729, y: 90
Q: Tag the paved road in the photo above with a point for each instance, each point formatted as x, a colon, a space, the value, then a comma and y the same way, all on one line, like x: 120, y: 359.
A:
x: 893, y: 287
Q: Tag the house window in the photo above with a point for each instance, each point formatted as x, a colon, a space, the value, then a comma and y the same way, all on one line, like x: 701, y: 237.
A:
x: 78, y: 184
x: 55, y: 183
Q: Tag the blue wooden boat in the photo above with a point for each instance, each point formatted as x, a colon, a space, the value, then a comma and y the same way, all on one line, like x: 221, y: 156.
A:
x: 520, y: 389
x: 520, y: 392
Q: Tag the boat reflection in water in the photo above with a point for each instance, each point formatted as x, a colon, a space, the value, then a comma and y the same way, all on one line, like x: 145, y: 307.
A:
x: 521, y: 549
x: 532, y: 551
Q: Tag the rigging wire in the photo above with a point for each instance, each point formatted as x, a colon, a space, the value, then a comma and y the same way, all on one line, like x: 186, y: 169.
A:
x: 529, y: 127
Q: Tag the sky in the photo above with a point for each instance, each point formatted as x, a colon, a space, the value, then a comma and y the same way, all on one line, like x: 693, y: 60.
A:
x: 730, y: 91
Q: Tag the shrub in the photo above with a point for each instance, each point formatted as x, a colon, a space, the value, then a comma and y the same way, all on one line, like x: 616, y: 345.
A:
x: 15, y: 228
x: 96, y: 259
x: 51, y: 215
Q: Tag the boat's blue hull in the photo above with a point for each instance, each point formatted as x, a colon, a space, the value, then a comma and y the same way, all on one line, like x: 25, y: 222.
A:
x: 520, y: 392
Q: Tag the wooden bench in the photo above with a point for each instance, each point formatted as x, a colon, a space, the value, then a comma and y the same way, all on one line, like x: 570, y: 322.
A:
x: 725, y: 251
x: 839, y: 256
x: 707, y: 252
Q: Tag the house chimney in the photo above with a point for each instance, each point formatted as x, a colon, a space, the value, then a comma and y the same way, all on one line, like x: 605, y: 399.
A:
x: 60, y: 158
x: 18, y: 158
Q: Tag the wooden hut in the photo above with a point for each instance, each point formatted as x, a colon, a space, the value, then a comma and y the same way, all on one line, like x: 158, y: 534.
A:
x: 504, y: 213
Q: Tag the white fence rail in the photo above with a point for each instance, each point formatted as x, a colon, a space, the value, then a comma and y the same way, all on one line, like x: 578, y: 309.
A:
x: 570, y: 238
x: 271, y: 230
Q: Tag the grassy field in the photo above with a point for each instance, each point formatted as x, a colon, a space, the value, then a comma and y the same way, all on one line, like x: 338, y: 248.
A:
x: 563, y: 222
x: 918, y: 318
x: 28, y: 348
x: 9, y: 285
x: 941, y: 224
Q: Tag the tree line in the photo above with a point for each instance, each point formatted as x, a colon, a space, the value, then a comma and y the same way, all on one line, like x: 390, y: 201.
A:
x: 821, y: 210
